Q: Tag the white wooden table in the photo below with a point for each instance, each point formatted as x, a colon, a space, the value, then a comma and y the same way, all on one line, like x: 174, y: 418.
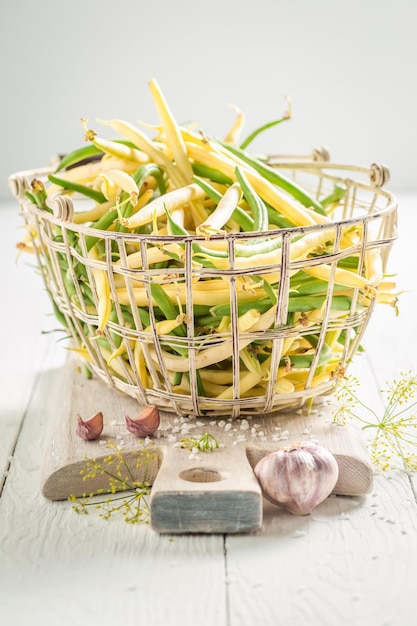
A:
x: 352, y: 562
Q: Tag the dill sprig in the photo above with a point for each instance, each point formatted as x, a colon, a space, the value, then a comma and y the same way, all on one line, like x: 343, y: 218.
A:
x: 133, y: 504
x: 204, y: 443
x: 395, y: 436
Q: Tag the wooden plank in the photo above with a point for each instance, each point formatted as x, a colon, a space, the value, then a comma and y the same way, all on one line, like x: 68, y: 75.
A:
x: 352, y: 562
x: 206, y: 492
x: 58, y: 567
x: 24, y: 305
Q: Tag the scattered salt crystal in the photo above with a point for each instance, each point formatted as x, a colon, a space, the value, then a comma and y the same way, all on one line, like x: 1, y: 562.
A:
x: 278, y: 428
x: 284, y: 437
x: 261, y: 433
x: 102, y: 442
x: 306, y: 431
x: 221, y: 445
x: 200, y: 423
x: 244, y: 425
x: 241, y: 438
x: 193, y: 456
x: 299, y: 533
x: 234, y: 443
x: 276, y: 437
x: 228, y: 427
x: 176, y: 420
x: 285, y: 433
x: 175, y: 429
x: 344, y: 516
x: 148, y: 441
x: 222, y: 423
x: 213, y: 423
x: 172, y: 438
x: 256, y: 425
x: 113, y: 423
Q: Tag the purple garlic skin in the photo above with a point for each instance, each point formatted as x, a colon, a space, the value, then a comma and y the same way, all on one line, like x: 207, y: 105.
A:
x: 91, y: 428
x: 298, y: 477
x: 145, y: 424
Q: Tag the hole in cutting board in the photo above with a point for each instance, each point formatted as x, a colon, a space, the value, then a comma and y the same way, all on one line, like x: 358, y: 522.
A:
x: 202, y: 475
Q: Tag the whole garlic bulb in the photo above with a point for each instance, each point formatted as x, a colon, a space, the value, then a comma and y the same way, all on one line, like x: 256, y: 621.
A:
x: 298, y: 477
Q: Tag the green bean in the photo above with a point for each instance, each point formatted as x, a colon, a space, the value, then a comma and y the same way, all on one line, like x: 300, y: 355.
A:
x: 169, y: 311
x: 278, y: 220
x: 97, y: 196
x: 256, y: 205
x: 80, y: 154
x: 140, y: 175
x: 280, y: 180
x: 296, y: 304
x: 305, y: 360
x: 245, y: 250
x: 220, y: 310
x: 314, y: 286
x: 215, y: 176
x: 336, y: 195
x: 261, y: 129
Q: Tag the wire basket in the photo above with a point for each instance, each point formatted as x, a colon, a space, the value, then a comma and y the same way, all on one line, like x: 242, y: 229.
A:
x: 266, y: 349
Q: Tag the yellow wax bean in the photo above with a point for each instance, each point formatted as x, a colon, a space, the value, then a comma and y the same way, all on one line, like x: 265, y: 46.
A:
x: 234, y: 133
x: 373, y: 266
x: 207, y: 297
x: 103, y: 293
x: 84, y: 174
x: 214, y: 354
x: 223, y: 212
x: 137, y: 137
x: 171, y: 131
x: 341, y: 277
x: 169, y: 201
x: 297, y: 214
x: 124, y: 181
x: 140, y: 363
x: 108, y: 188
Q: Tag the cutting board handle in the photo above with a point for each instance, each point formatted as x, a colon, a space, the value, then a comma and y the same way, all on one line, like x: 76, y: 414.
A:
x: 207, y: 492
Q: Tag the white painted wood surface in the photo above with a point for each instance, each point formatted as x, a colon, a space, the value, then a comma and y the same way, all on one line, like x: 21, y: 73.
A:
x: 353, y: 562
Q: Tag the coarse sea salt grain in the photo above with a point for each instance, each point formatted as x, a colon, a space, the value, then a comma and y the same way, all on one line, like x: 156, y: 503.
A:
x: 228, y: 427
x: 222, y: 423
x: 244, y: 425
x: 172, y: 438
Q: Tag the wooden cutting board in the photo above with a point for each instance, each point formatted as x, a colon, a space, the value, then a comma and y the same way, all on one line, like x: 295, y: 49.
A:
x: 192, y: 492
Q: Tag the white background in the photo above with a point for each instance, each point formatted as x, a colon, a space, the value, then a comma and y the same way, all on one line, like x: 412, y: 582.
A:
x: 349, y: 67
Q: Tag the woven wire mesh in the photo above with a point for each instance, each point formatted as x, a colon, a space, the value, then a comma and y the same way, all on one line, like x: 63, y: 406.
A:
x: 131, y: 353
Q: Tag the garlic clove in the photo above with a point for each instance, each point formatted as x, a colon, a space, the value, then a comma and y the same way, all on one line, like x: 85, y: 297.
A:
x: 298, y: 477
x: 144, y: 424
x: 91, y: 428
